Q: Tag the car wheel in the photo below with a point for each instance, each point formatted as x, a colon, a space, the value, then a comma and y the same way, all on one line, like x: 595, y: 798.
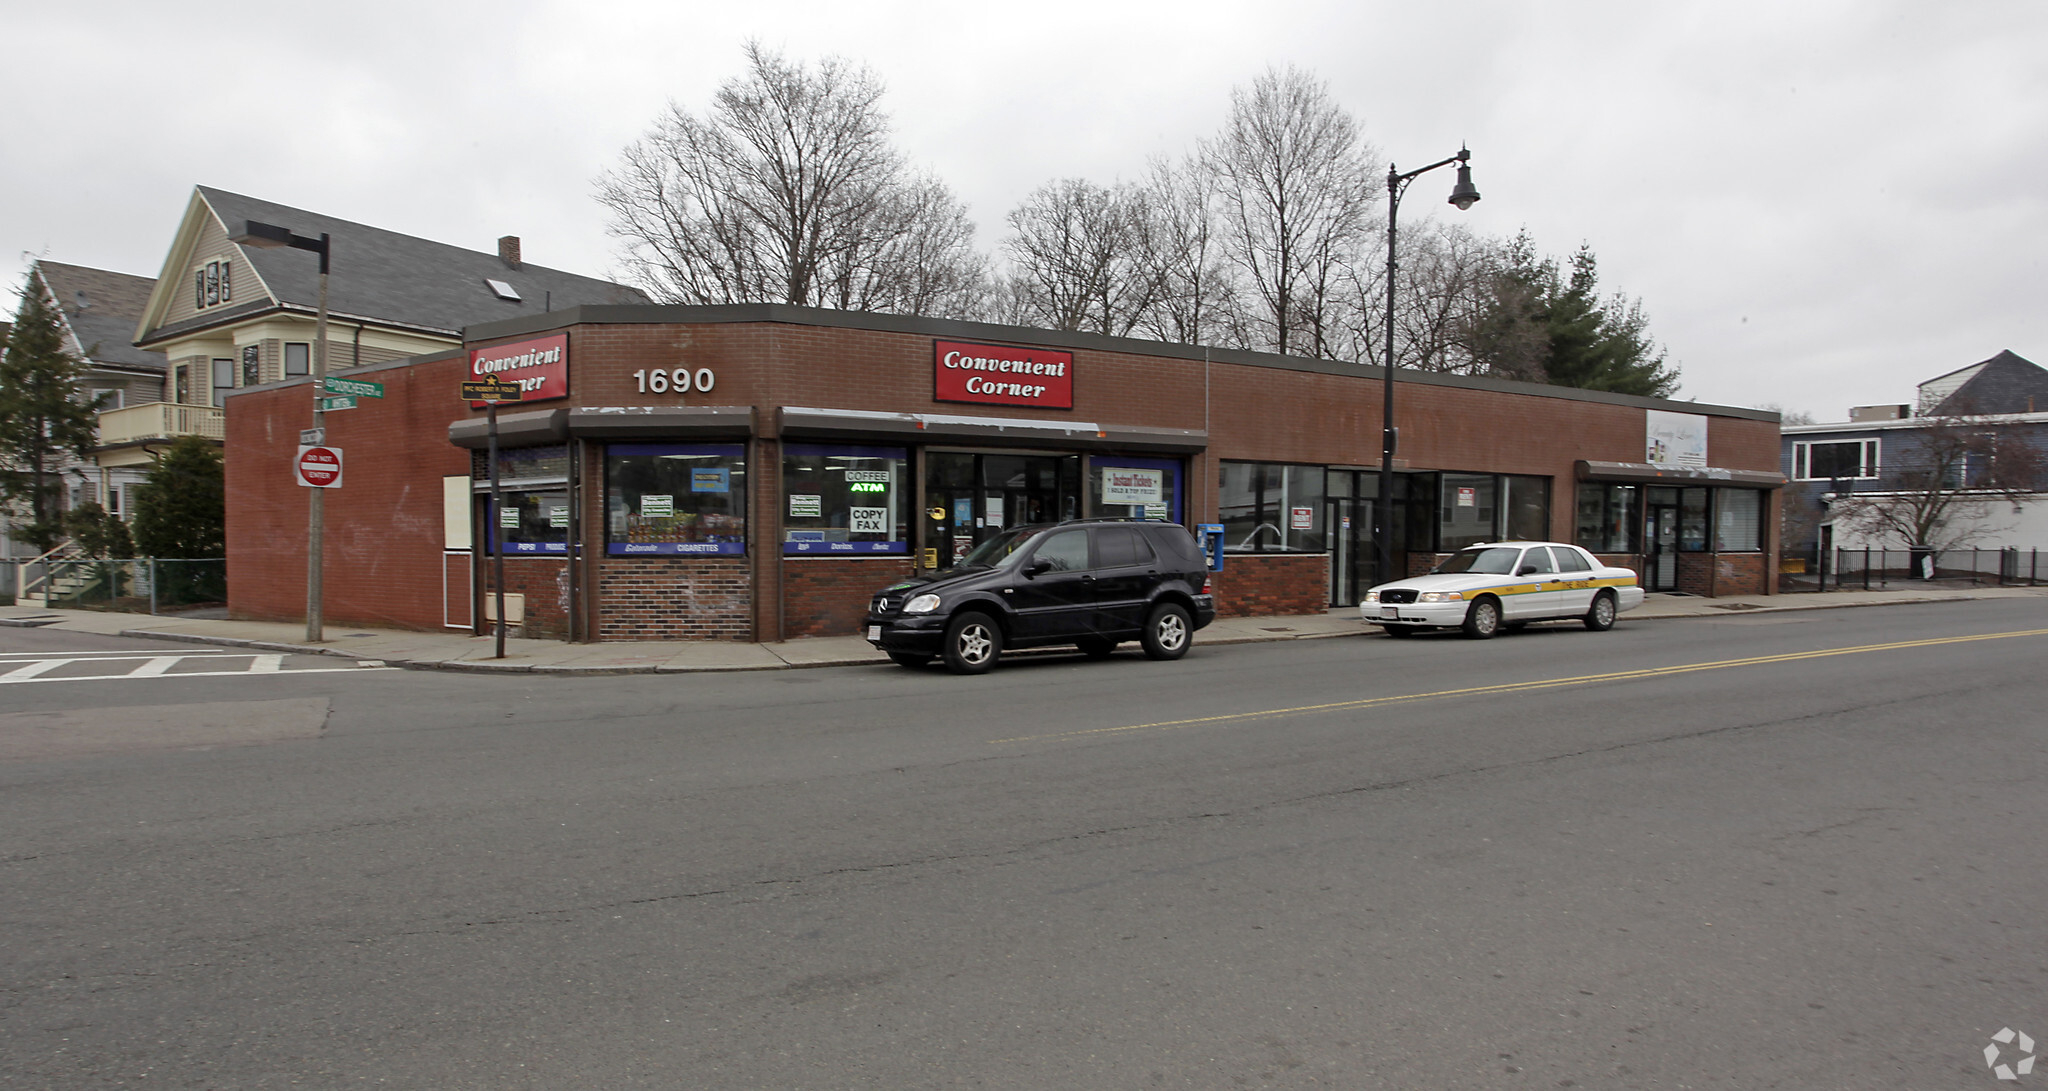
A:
x: 973, y: 643
x: 1168, y: 632
x: 1600, y: 616
x: 912, y: 660
x: 1483, y: 619
x: 1096, y: 647
x: 1398, y: 630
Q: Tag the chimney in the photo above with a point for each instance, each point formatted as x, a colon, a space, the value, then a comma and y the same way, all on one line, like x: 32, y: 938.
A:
x: 508, y: 251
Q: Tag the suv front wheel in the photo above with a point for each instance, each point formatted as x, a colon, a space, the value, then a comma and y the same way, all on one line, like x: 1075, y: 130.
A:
x: 1168, y: 631
x: 973, y: 643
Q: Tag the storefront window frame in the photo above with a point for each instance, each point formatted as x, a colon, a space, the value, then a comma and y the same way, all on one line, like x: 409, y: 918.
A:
x: 1617, y: 517
x: 733, y: 459
x: 1277, y: 490
x: 525, y: 474
x: 1176, y: 483
x: 901, y: 504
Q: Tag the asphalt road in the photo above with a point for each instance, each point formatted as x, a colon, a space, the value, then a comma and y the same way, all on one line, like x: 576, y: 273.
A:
x: 1795, y: 850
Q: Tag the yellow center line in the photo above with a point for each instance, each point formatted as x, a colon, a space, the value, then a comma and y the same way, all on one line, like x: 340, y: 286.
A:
x: 1520, y: 687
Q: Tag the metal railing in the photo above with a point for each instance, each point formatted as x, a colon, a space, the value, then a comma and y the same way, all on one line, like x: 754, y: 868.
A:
x: 1872, y: 569
x: 161, y: 420
x: 139, y: 585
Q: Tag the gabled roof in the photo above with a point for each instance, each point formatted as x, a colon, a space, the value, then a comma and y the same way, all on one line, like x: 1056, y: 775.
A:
x: 101, y: 307
x: 377, y: 276
x: 2006, y: 383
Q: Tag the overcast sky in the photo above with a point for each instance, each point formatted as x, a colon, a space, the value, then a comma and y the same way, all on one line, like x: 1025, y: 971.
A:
x: 1819, y: 204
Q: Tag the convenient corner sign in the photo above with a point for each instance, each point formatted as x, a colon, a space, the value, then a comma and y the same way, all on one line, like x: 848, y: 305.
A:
x: 355, y: 387
x: 1002, y: 375
x: 539, y: 367
x: 318, y: 467
x: 488, y: 391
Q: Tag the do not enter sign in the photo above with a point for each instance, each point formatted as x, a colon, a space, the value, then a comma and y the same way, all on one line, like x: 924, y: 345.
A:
x: 319, y: 467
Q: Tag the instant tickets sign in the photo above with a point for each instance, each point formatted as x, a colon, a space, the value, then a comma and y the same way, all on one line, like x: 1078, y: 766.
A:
x: 539, y: 366
x: 1002, y: 375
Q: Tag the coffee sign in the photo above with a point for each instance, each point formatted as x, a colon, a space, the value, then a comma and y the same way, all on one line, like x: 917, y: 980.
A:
x: 1002, y: 375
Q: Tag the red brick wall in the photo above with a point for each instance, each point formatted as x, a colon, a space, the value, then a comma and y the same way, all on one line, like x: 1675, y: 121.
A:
x: 1696, y: 574
x: 1740, y: 574
x: 382, y: 562
x: 1257, y: 585
x: 828, y: 596
x: 545, y: 583
x: 674, y: 598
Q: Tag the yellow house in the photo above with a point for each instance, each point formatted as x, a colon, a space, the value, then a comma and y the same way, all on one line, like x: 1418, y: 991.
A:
x: 226, y: 315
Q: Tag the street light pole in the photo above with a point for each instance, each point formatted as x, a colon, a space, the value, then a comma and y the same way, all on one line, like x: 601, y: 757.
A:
x: 271, y: 235
x: 1462, y: 195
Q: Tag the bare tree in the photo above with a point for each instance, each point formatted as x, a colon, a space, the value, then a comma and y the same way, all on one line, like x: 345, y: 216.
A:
x: 1296, y: 182
x: 1945, y: 482
x: 1081, y: 256
x: 1195, y: 293
x: 787, y: 190
x: 1439, y: 300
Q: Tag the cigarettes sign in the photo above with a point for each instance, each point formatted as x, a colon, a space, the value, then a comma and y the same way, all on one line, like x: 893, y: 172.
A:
x: 1002, y: 375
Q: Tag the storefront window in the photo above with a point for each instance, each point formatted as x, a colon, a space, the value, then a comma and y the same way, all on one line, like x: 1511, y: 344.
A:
x: 1465, y: 511
x: 1738, y: 520
x: 675, y: 498
x: 532, y: 521
x: 1527, y: 508
x: 1692, y: 520
x: 845, y: 500
x: 1272, y: 508
x: 1608, y: 517
x: 1135, y: 488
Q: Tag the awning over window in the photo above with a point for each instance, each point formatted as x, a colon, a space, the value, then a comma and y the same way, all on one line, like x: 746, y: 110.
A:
x: 1635, y: 472
x: 946, y: 428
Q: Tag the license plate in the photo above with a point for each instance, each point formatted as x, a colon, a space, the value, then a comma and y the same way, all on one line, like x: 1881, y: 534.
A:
x: 1389, y: 612
x: 874, y: 632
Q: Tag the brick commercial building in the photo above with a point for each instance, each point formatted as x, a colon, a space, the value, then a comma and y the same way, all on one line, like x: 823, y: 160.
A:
x: 757, y: 472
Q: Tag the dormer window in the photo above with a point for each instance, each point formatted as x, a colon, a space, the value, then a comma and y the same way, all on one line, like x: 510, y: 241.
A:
x: 503, y: 290
x: 212, y: 285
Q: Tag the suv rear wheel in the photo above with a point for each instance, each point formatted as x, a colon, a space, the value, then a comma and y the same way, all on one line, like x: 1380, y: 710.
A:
x: 1168, y: 631
x: 973, y: 643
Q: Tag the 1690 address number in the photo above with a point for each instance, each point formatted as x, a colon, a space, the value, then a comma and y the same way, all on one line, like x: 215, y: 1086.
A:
x: 680, y: 380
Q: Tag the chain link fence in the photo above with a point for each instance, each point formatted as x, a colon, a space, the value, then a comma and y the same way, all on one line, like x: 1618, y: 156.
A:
x: 145, y: 585
x: 1883, y: 569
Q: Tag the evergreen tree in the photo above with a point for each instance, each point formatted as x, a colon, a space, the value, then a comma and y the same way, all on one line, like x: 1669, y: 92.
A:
x: 99, y: 532
x: 181, y: 509
x: 1542, y: 325
x: 43, y: 420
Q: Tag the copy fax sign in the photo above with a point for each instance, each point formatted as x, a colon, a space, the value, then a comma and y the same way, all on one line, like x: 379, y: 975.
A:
x: 318, y: 467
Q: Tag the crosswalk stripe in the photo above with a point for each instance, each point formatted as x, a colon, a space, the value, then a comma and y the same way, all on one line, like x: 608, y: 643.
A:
x: 267, y: 664
x: 155, y: 666
x: 32, y: 669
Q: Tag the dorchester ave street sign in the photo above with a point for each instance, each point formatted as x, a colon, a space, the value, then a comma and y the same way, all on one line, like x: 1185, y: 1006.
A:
x: 1002, y: 375
x: 358, y: 388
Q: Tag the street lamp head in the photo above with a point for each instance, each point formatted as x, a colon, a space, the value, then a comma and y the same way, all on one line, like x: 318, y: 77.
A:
x: 262, y: 234
x: 1464, y: 194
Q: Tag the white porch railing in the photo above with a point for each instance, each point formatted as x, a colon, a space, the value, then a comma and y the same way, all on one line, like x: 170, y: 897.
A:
x: 161, y: 420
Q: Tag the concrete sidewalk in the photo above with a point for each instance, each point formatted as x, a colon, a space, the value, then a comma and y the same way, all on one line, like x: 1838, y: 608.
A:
x: 460, y: 651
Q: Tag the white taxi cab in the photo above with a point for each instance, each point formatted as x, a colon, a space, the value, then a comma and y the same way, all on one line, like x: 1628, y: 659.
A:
x: 1484, y: 587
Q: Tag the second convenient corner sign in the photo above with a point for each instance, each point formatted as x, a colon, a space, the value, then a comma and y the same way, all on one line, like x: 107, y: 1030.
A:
x: 539, y: 366
x: 1002, y: 375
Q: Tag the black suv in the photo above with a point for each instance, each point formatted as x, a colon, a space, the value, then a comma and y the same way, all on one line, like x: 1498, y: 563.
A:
x: 1087, y: 582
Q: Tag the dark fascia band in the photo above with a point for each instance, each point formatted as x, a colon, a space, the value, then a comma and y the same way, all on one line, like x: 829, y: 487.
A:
x: 529, y: 428
x: 798, y: 423
x: 1633, y: 472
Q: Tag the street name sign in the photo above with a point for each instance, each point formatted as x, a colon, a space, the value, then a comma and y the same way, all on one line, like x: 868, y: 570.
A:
x: 492, y: 390
x: 358, y: 387
x: 329, y: 405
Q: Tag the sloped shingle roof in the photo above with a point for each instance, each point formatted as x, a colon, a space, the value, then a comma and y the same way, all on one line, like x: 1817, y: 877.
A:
x: 2006, y: 383
x: 383, y: 275
x: 102, y: 308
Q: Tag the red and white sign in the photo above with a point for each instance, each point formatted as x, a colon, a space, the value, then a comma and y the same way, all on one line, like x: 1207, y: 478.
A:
x: 539, y: 366
x: 1002, y: 375
x: 318, y: 467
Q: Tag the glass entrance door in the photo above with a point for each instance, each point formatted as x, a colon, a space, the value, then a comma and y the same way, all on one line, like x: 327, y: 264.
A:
x: 1660, y: 546
x: 971, y: 496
